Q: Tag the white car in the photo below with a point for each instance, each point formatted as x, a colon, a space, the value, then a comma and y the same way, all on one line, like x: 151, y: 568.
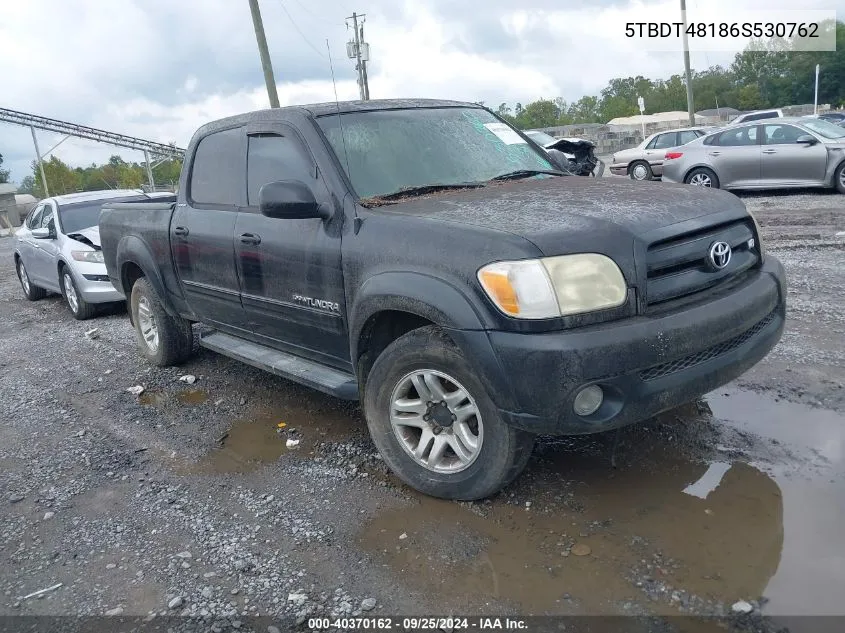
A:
x: 758, y: 115
x: 57, y: 249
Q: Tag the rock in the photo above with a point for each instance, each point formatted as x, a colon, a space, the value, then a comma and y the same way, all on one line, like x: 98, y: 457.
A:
x: 176, y: 602
x: 291, y: 443
x: 80, y: 433
x: 207, y: 593
x: 137, y: 390
x: 298, y: 599
x: 403, y: 536
x: 110, y: 566
x: 115, y: 611
x: 185, y: 554
x: 742, y: 607
x: 16, y: 498
x: 49, y: 515
x: 581, y: 549
x: 91, y: 335
x: 243, y: 401
x: 188, y: 378
x: 242, y: 565
x: 273, y: 629
x: 209, y: 574
x: 368, y: 604
x: 235, y: 591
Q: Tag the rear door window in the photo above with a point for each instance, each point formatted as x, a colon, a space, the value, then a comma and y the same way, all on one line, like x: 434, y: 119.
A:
x: 664, y: 141
x: 738, y: 137
x: 217, y: 173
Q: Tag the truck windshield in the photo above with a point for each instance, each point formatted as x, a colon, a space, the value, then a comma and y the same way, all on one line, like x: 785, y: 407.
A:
x: 385, y: 151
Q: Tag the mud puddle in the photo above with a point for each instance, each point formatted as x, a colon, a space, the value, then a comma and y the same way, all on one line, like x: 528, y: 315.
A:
x: 682, y: 525
x: 277, y: 430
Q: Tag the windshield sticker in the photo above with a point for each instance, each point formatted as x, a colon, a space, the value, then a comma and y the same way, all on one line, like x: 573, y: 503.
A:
x: 505, y: 134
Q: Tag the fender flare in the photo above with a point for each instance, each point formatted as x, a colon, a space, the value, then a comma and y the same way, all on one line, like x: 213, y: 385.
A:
x: 132, y: 250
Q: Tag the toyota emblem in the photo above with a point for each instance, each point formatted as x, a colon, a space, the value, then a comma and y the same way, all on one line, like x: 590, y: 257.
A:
x: 720, y: 254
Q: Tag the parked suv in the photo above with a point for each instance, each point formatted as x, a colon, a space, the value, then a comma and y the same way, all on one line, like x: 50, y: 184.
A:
x: 424, y: 257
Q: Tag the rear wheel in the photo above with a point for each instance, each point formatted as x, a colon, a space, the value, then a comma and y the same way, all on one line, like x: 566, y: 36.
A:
x: 434, y: 424
x: 33, y: 293
x: 839, y: 178
x: 164, y: 340
x: 640, y: 170
x: 702, y: 177
x: 80, y: 308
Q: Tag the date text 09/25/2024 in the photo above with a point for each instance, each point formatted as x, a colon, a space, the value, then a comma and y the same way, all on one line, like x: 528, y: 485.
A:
x: 417, y: 623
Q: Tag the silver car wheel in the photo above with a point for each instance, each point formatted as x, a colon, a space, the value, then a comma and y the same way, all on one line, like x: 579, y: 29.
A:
x: 147, y: 324
x: 436, y: 421
x: 701, y: 180
x: 70, y: 292
x: 842, y: 178
x: 23, y: 276
x: 639, y: 172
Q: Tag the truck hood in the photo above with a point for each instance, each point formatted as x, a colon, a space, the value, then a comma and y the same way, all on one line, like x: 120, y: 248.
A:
x: 573, y: 214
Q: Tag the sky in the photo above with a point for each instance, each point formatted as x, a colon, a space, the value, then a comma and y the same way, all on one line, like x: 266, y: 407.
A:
x: 157, y: 69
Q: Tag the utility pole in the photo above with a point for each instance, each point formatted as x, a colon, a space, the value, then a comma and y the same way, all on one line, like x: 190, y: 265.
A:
x: 690, y: 104
x: 816, y: 98
x: 40, y: 162
x: 149, y: 171
x: 266, y: 65
x: 364, y: 68
x: 354, y: 51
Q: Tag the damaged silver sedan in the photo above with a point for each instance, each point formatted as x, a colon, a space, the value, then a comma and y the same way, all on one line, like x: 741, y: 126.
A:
x: 57, y: 249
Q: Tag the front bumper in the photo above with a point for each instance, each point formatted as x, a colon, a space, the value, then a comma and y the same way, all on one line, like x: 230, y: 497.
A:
x: 92, y: 282
x: 644, y: 365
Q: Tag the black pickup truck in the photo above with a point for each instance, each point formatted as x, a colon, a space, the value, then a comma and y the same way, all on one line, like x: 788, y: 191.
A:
x: 429, y: 259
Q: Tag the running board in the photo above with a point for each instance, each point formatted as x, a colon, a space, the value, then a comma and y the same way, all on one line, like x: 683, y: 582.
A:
x: 326, y: 379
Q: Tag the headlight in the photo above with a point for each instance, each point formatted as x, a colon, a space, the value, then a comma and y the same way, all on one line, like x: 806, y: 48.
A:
x: 92, y: 257
x: 554, y: 286
x: 759, y: 235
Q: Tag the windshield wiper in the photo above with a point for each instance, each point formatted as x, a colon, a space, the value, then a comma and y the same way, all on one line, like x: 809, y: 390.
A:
x: 422, y: 190
x: 527, y: 173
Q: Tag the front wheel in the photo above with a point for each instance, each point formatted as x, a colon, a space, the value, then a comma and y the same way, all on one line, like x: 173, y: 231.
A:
x: 164, y: 340
x: 434, y: 424
x: 703, y: 177
x: 839, y: 178
x: 80, y: 308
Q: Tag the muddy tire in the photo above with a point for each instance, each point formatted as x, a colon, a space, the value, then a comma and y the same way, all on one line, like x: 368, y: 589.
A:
x: 839, y: 178
x: 640, y: 170
x: 164, y: 340
x: 33, y: 293
x: 79, y: 308
x: 434, y: 424
x: 702, y: 177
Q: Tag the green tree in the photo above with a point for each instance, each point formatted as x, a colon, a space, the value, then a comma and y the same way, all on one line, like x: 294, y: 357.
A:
x: 541, y: 113
x: 61, y: 179
x: 27, y: 185
x: 4, y: 173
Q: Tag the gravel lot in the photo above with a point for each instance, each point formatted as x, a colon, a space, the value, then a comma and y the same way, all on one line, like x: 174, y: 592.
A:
x: 186, y: 501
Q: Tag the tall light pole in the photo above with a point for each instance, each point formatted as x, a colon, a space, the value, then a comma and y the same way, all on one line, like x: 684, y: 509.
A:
x: 690, y: 104
x: 816, y: 99
x: 266, y: 65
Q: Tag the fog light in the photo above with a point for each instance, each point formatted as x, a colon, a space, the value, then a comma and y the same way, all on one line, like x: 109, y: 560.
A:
x: 588, y: 400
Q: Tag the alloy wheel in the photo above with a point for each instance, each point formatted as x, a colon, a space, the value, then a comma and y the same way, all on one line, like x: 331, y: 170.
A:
x: 701, y: 180
x: 70, y: 292
x: 436, y: 421
x: 147, y: 324
x: 23, y: 276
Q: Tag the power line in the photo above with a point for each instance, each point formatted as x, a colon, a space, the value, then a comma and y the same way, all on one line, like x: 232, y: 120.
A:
x: 314, y: 15
x: 302, y: 35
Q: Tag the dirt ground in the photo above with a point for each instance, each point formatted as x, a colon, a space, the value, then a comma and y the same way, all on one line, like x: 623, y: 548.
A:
x: 187, y: 500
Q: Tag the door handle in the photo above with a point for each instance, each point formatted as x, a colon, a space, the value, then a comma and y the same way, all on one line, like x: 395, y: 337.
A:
x: 250, y: 238
x: 181, y: 231
x: 714, y: 153
x: 770, y: 151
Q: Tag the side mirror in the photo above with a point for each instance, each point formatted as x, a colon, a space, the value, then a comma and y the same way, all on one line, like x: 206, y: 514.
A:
x: 807, y: 139
x: 289, y: 199
x: 42, y: 234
